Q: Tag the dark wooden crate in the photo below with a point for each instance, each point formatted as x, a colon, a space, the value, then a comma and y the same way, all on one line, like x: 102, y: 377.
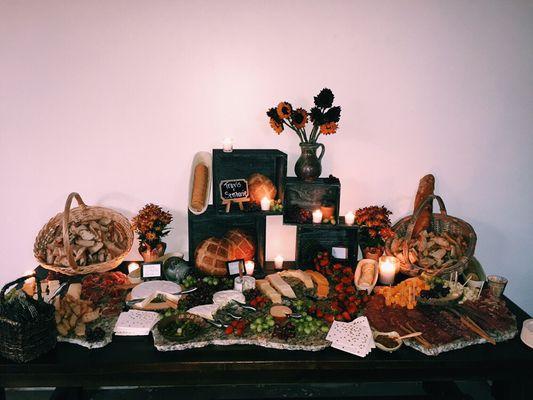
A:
x: 307, y: 195
x: 211, y: 223
x: 243, y: 163
x: 313, y: 238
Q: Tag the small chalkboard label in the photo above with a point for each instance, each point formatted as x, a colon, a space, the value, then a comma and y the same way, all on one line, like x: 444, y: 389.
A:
x: 234, y: 189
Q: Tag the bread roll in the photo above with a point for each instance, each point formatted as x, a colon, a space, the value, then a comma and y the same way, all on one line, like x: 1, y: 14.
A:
x: 199, y: 187
x: 426, y: 187
x: 367, y: 274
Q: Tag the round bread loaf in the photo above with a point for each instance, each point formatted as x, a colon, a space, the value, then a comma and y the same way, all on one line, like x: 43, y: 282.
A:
x: 211, y: 256
x: 243, y: 245
x: 260, y: 186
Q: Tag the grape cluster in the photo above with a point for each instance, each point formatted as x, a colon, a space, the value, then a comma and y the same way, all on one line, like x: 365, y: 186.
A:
x: 276, y: 205
x: 262, y: 324
x: 304, y: 216
x: 284, y: 332
x: 308, y: 325
x: 95, y: 335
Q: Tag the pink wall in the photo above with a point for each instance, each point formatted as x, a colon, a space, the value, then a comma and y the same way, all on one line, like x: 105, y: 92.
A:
x: 113, y: 98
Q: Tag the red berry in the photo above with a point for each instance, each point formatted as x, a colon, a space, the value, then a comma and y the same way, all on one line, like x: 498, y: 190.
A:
x: 229, y: 330
x: 346, y: 316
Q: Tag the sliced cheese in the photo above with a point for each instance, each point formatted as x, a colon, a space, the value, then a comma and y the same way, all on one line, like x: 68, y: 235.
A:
x: 299, y: 274
x: 226, y: 296
x: 264, y: 287
x: 206, y: 311
x: 322, y: 289
x: 281, y: 286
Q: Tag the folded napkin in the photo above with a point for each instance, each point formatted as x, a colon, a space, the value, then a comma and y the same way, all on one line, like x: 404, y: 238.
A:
x: 352, y: 337
x: 135, y: 323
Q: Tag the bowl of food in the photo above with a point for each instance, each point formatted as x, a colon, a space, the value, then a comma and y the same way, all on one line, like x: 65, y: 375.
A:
x: 181, y: 327
x: 387, y: 341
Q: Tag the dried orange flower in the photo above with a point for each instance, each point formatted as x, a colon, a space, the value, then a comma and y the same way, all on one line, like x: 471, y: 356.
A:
x: 299, y: 118
x: 328, y: 128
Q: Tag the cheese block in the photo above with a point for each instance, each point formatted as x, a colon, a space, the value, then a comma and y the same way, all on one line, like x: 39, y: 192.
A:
x: 264, y: 287
x: 206, y: 311
x: 281, y: 286
x: 74, y: 290
x: 298, y: 274
x: 322, y: 283
x: 227, y: 296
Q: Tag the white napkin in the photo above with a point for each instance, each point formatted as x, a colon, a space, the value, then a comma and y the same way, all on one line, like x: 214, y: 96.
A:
x: 135, y: 323
x: 352, y: 337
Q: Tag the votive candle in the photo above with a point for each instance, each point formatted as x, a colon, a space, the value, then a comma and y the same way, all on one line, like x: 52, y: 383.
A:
x: 387, y: 271
x: 227, y: 145
x: 249, y: 267
x: 132, y: 267
x: 317, y: 217
x: 349, y: 218
x: 265, y: 204
x: 278, y: 262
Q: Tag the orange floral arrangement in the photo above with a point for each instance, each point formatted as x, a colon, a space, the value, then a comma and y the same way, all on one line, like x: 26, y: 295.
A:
x: 151, y: 224
x: 377, y: 224
x: 324, y: 117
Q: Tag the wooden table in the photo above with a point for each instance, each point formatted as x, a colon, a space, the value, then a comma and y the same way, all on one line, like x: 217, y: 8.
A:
x: 135, y: 362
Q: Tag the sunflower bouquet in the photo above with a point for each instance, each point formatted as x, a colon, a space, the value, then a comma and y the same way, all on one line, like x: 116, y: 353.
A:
x: 323, y: 116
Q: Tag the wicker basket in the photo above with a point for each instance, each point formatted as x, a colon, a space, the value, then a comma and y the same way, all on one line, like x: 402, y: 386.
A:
x: 440, y: 223
x: 25, y: 341
x: 80, y: 213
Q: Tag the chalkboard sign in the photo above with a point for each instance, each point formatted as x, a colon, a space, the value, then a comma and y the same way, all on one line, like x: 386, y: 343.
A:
x: 234, y: 190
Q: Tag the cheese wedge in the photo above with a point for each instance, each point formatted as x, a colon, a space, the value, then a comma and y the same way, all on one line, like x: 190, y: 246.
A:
x: 264, y: 287
x: 322, y: 283
x: 281, y: 286
x: 299, y: 274
x: 206, y: 311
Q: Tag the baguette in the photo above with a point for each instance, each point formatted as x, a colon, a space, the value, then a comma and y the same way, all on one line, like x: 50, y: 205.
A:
x: 199, y: 187
x: 426, y: 187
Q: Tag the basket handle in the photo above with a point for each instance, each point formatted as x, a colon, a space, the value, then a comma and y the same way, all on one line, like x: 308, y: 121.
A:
x: 66, y: 218
x: 410, y: 228
x: 21, y: 280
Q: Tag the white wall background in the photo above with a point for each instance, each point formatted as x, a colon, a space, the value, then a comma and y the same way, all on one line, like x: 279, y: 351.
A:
x: 113, y: 98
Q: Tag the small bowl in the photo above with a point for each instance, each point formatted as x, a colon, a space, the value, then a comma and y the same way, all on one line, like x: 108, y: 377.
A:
x: 391, y: 335
x: 527, y: 332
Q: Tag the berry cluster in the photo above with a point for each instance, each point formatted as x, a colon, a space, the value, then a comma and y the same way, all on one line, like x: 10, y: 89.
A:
x: 236, y: 327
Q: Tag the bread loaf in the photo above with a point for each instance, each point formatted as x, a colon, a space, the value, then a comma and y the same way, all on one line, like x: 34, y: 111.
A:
x: 242, y: 243
x: 426, y: 187
x: 260, y: 186
x: 199, y: 187
x: 211, y: 256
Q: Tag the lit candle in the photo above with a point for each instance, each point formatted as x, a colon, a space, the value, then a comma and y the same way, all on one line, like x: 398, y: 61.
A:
x: 134, y: 275
x: 249, y: 267
x: 227, y: 145
x: 317, y: 217
x: 349, y: 218
x: 387, y: 271
x: 132, y: 267
x: 278, y: 262
x: 29, y: 283
x: 265, y: 204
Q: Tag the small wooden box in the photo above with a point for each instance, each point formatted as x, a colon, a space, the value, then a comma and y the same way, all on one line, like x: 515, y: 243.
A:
x: 313, y: 238
x: 308, y: 196
x: 211, y: 223
x: 243, y: 163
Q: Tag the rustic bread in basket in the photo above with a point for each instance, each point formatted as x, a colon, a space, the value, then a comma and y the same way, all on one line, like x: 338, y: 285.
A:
x: 83, y: 240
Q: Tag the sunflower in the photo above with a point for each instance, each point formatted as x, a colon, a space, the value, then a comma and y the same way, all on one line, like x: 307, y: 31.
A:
x: 284, y: 110
x: 317, y: 117
x: 299, y: 118
x: 324, y: 99
x: 329, y: 128
x: 277, y: 126
x: 333, y: 114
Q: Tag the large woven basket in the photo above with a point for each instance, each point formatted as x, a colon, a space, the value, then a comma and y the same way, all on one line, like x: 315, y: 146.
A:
x: 79, y: 214
x: 440, y: 223
x: 25, y: 341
